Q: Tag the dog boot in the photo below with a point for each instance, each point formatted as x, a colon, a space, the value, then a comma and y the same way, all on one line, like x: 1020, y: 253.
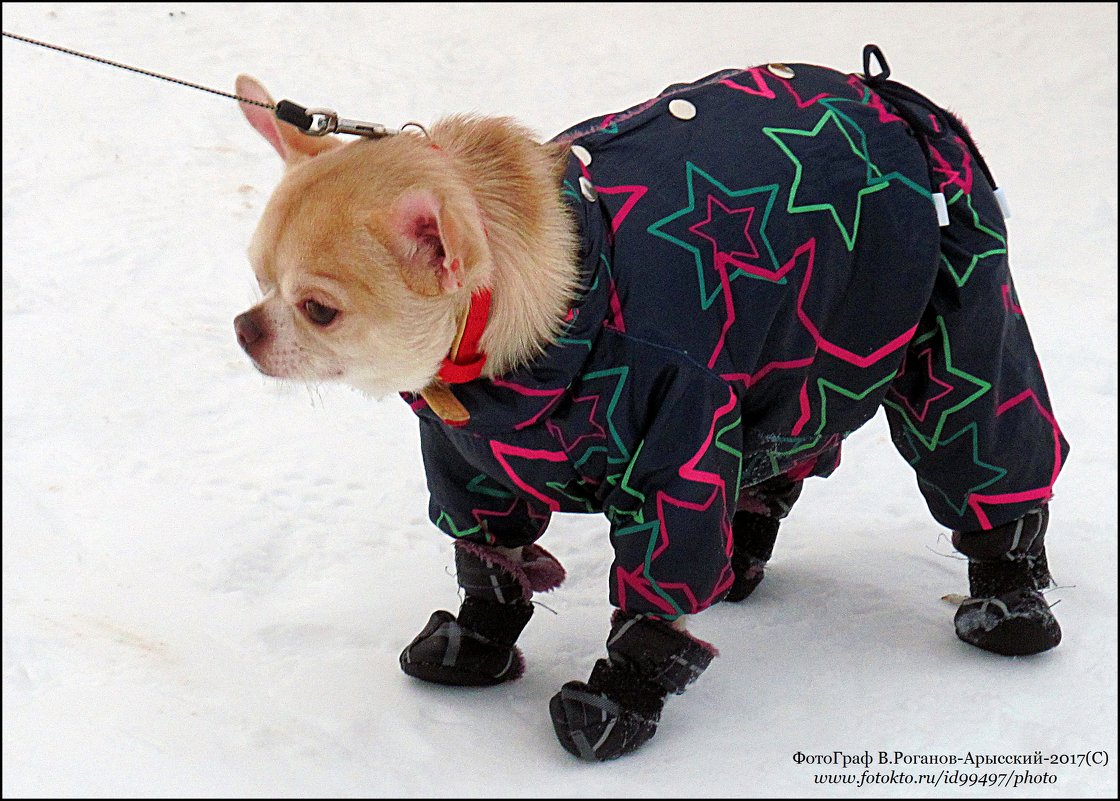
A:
x: 755, y: 528
x: 617, y: 710
x: 1006, y: 570
x: 477, y: 647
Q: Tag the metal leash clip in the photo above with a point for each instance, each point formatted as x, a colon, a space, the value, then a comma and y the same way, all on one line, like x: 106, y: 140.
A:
x: 323, y: 121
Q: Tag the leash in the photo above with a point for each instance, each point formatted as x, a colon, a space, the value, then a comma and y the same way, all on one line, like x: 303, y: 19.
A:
x: 311, y: 121
x: 465, y: 360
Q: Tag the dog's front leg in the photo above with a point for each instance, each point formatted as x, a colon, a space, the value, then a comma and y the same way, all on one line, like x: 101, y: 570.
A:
x: 477, y: 647
x: 761, y: 509
x: 617, y: 710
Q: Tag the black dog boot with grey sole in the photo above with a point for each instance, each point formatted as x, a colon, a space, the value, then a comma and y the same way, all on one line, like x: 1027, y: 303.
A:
x: 474, y: 649
x: 618, y: 708
x: 1007, y: 569
x: 477, y: 647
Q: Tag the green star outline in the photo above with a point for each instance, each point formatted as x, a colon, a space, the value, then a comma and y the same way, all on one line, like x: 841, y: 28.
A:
x: 475, y: 485
x: 623, y: 373
x: 880, y: 182
x: 822, y: 385
x: 706, y: 299
x: 931, y: 443
x: 890, y: 176
x: 454, y: 530
x: 961, y: 280
x: 1001, y: 472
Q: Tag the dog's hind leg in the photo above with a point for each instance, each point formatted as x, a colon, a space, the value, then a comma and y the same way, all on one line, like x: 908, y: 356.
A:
x: 1007, y: 570
x: 969, y: 408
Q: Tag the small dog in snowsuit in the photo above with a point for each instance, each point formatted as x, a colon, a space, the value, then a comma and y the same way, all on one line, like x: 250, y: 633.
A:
x: 673, y: 316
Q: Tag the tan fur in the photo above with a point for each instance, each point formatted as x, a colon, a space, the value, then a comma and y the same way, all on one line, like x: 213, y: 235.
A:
x: 516, y: 182
x: 330, y: 233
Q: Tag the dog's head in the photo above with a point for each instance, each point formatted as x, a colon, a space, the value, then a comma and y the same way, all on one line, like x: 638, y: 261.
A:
x: 365, y: 254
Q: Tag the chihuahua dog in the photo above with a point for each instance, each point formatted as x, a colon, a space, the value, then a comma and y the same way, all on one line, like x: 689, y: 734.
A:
x: 672, y: 315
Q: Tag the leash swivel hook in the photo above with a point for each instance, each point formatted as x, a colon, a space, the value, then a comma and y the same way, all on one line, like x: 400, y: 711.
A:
x: 323, y: 121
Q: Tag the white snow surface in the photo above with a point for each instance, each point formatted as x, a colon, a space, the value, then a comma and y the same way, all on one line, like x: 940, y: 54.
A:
x: 208, y: 575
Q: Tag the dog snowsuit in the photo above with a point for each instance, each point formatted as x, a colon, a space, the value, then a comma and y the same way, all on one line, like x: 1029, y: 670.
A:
x: 762, y: 269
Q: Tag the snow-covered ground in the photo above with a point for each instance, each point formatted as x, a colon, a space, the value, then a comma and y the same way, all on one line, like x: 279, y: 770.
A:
x: 207, y: 576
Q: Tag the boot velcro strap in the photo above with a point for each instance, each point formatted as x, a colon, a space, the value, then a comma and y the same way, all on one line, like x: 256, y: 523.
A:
x: 496, y: 622
x: 658, y: 652
x: 991, y: 579
x: 485, y: 573
x: 628, y: 689
x: 1020, y: 539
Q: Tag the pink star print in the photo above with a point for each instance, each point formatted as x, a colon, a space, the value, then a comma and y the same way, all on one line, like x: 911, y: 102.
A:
x: 727, y: 252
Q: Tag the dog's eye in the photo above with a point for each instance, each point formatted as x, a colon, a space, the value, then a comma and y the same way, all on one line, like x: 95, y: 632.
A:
x: 318, y: 313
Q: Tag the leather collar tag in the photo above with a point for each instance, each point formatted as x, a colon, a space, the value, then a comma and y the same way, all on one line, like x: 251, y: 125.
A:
x: 444, y: 403
x: 463, y: 363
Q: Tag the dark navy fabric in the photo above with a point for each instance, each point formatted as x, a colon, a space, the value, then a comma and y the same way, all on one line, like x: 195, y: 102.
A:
x: 757, y: 280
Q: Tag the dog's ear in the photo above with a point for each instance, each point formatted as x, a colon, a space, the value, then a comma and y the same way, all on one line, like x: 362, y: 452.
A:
x: 441, y: 245
x: 285, y: 139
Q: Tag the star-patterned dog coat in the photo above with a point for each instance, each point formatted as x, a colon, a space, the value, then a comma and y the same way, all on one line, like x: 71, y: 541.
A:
x: 762, y: 269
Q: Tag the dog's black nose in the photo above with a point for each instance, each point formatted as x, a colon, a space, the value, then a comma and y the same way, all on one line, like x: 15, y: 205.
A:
x: 247, y: 330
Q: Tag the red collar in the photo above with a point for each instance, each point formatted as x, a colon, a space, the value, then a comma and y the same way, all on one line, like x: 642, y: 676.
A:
x: 465, y: 361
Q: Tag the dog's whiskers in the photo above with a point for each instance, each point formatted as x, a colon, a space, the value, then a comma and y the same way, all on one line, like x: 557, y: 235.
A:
x: 314, y: 392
